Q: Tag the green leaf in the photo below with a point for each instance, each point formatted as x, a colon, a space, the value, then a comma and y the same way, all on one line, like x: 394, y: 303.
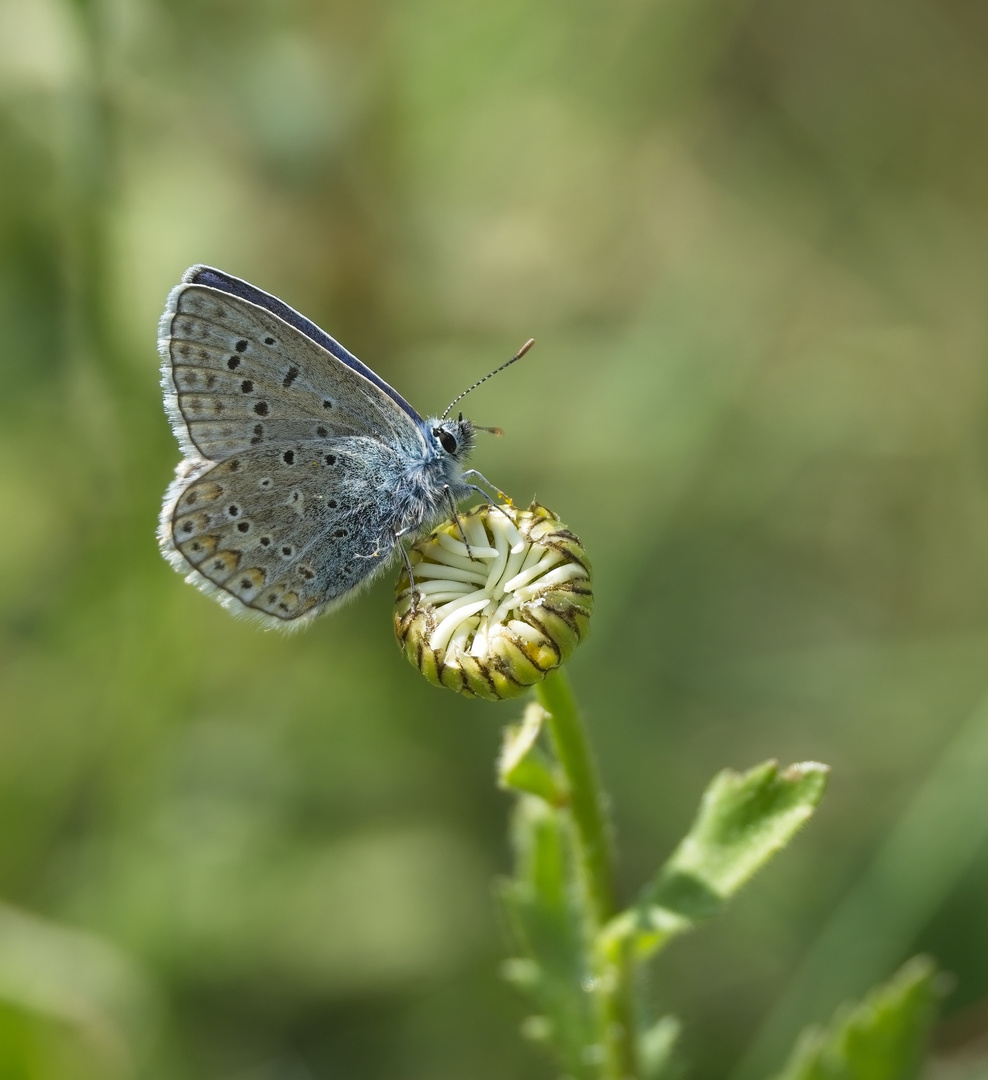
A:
x: 882, y: 1038
x: 744, y: 820
x: 60, y: 982
x: 523, y: 766
x: 656, y: 1045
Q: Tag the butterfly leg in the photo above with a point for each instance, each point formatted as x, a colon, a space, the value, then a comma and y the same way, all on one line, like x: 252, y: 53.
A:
x: 408, y: 566
x: 451, y: 503
x: 487, y: 498
x: 480, y: 476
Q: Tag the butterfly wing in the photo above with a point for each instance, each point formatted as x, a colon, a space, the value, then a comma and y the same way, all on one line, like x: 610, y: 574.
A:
x: 236, y: 375
x: 280, y: 533
x: 218, y: 279
x: 280, y: 509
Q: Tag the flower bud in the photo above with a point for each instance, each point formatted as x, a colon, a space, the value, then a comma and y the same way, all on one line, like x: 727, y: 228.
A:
x: 492, y: 617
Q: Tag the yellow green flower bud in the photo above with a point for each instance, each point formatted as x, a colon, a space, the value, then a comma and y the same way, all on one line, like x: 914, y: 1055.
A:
x: 492, y: 619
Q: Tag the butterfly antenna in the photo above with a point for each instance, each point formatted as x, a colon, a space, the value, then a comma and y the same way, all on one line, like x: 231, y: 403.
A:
x: 518, y: 355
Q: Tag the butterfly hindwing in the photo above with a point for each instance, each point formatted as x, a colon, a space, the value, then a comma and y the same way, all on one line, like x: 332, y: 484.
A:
x: 281, y: 533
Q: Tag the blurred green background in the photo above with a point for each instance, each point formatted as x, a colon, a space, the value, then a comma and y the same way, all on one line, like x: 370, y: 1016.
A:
x: 750, y: 238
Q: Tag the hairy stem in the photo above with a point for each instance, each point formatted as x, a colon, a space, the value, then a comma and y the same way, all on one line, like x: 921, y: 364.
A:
x: 595, y: 853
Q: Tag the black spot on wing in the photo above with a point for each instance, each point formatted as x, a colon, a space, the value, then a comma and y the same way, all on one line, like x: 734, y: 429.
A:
x: 216, y: 279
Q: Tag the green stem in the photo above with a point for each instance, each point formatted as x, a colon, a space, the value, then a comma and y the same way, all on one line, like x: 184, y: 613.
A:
x: 586, y: 801
x: 596, y: 857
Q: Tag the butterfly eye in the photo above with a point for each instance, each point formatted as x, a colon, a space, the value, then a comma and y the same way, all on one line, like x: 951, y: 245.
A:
x: 447, y: 440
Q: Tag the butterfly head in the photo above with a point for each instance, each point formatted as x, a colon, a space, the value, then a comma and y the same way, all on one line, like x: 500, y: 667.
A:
x: 455, y: 437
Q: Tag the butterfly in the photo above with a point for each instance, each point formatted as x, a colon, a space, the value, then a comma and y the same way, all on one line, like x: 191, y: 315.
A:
x: 303, y: 469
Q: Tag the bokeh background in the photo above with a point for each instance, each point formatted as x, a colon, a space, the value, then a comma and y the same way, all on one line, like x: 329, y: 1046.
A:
x: 751, y: 238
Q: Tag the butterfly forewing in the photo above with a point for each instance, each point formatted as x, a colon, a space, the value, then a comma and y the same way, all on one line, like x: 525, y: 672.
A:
x: 237, y: 376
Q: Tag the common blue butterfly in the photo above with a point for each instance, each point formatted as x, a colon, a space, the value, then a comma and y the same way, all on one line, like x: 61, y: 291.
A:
x: 302, y: 469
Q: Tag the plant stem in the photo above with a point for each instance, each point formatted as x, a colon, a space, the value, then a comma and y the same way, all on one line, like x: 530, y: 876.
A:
x: 596, y: 858
x: 586, y: 800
